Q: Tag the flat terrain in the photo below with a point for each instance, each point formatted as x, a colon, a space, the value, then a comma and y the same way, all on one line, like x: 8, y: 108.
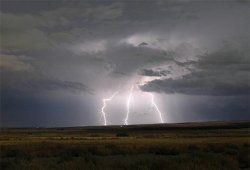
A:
x: 208, y: 145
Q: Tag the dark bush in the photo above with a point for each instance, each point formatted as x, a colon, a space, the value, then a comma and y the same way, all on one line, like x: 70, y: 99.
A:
x: 231, y: 149
x: 7, y: 164
x: 111, y: 146
x: 68, y: 154
x: 231, y: 152
x: 214, y: 149
x: 243, y: 159
x: 193, y: 148
x: 93, y: 150
x: 122, y: 134
x: 163, y: 151
x: 231, y: 146
x: 247, y: 145
x: 16, y: 153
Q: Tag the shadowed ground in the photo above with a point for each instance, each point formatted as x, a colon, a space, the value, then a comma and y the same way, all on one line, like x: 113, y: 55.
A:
x: 207, y: 145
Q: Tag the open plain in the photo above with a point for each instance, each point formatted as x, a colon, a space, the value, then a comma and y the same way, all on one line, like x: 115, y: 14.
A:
x: 207, y: 145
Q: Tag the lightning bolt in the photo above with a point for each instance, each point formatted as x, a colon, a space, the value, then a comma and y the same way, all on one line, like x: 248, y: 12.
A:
x: 104, y: 105
x: 156, y: 107
x: 128, y: 105
x: 153, y: 103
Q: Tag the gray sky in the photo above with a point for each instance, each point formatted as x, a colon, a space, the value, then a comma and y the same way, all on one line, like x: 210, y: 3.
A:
x: 60, y: 59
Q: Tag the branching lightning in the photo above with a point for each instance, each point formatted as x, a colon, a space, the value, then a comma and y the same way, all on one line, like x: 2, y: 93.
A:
x: 104, y: 105
x: 105, y: 100
x: 128, y: 105
x: 156, y: 107
x: 153, y: 103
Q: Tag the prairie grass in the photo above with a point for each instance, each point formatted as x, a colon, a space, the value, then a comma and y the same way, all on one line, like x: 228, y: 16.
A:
x: 76, y: 148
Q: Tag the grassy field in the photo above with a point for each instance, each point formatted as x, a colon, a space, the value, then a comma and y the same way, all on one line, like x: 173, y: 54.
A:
x: 209, y: 145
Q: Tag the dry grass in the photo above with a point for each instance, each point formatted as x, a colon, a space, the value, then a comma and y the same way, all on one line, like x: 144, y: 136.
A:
x: 121, y: 148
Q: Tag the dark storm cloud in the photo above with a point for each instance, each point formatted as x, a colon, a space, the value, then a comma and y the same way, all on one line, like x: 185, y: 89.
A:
x: 22, y: 109
x: 197, y: 84
x: 190, y: 108
x: 24, y: 80
x: 223, y: 72
x: 53, y: 84
x: 85, y: 49
x: 150, y: 72
x: 143, y: 44
x: 48, y: 28
x: 128, y: 58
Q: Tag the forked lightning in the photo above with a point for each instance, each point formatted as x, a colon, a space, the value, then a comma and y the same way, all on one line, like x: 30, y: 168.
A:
x: 156, y: 107
x: 104, y: 105
x: 128, y: 105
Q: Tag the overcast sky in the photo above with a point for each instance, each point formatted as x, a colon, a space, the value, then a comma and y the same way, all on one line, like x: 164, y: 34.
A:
x: 59, y: 59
